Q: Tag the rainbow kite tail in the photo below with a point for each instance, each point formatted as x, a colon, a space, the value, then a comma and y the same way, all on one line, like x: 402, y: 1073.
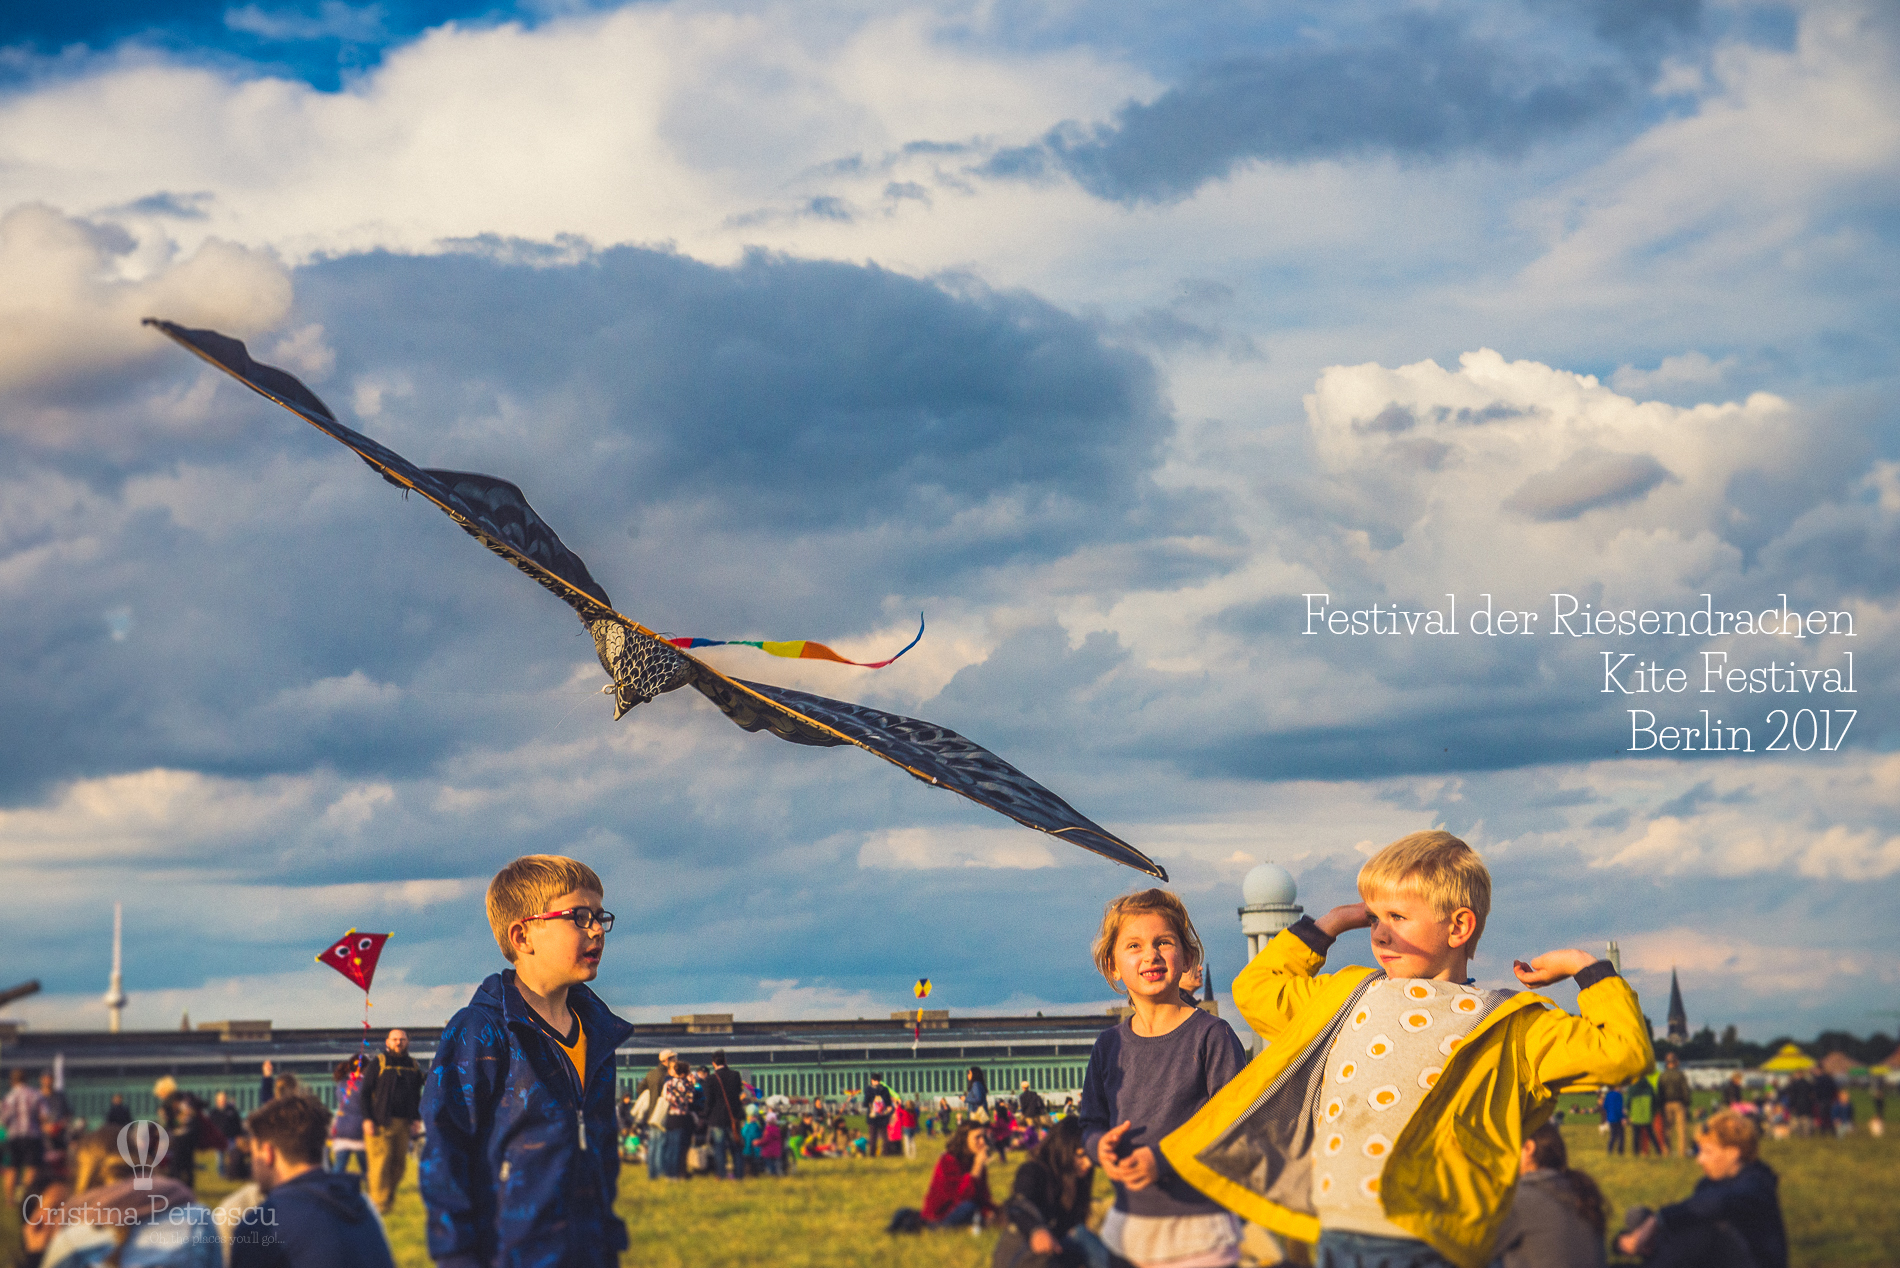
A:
x: 795, y: 649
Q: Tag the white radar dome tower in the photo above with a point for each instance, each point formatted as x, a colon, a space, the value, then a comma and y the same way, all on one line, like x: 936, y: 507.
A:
x: 1268, y: 891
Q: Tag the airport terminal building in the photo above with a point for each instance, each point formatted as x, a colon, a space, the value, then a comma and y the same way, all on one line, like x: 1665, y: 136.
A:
x: 799, y: 1059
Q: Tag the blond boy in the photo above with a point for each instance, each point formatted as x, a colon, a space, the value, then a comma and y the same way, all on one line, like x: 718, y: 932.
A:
x: 1385, y: 1118
x: 520, y: 1164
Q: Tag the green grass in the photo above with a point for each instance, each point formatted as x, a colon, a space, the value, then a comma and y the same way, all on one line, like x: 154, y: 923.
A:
x: 1841, y: 1199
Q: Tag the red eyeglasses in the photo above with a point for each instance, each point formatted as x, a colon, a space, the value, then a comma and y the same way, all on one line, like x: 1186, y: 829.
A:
x: 584, y: 918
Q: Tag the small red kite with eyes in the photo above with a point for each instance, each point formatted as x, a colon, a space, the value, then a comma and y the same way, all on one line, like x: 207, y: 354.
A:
x: 355, y: 955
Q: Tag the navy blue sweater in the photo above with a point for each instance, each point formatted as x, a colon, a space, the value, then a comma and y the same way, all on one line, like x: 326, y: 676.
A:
x: 315, y: 1220
x: 1748, y: 1201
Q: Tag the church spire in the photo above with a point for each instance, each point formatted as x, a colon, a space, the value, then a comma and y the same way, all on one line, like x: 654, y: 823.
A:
x: 1678, y: 1015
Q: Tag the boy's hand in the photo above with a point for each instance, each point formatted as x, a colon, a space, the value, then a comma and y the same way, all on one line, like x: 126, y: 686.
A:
x: 1552, y: 966
x: 1341, y: 919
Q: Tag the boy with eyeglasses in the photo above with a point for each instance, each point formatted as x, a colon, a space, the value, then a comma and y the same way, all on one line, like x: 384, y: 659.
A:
x: 520, y: 1164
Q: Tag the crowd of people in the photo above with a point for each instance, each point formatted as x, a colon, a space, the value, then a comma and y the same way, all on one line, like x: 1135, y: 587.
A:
x: 683, y: 1121
x: 124, y: 1192
x: 1652, y: 1113
x: 1397, y: 1116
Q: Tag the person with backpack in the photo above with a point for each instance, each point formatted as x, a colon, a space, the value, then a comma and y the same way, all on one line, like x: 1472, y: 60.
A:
x: 1640, y: 1107
x: 392, y: 1103
x: 1032, y: 1106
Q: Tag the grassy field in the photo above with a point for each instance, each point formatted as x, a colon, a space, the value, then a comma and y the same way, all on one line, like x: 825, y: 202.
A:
x: 1841, y: 1199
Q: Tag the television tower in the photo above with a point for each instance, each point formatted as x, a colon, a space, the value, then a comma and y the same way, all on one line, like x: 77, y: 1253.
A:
x: 115, y: 994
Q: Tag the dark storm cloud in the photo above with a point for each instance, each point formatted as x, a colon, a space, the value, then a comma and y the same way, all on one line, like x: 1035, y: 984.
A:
x: 1422, y: 86
x: 790, y: 394
x: 773, y: 448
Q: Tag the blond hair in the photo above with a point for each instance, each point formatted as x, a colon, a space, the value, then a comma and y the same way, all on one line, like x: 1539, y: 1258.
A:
x: 96, y: 1160
x: 1437, y: 867
x: 1733, y: 1131
x: 526, y: 886
x: 1149, y: 902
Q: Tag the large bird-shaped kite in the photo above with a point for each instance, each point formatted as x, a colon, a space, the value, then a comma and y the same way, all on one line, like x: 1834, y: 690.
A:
x: 643, y: 664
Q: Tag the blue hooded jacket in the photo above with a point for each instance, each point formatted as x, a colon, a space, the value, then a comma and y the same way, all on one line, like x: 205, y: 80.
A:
x: 518, y: 1171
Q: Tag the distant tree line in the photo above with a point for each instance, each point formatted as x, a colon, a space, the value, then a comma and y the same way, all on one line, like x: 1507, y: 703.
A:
x: 1706, y: 1045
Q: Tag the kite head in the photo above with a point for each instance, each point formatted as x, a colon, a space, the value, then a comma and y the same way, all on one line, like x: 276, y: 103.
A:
x: 640, y: 665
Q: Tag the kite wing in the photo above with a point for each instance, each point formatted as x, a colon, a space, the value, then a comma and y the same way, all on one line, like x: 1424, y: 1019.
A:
x: 492, y: 511
x: 935, y: 754
x: 641, y: 663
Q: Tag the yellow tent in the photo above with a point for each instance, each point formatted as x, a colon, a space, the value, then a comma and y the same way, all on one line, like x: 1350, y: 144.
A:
x: 1789, y: 1060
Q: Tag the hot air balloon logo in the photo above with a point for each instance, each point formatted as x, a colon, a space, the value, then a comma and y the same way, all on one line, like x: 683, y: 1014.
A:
x: 142, y: 1143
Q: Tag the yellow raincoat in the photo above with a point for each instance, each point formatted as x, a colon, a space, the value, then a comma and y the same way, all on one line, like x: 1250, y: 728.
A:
x: 1453, y: 1170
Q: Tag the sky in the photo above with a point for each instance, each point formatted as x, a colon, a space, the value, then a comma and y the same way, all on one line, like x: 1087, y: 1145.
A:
x: 1139, y: 347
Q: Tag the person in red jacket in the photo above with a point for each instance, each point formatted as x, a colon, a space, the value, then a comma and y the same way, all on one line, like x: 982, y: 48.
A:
x: 960, y: 1186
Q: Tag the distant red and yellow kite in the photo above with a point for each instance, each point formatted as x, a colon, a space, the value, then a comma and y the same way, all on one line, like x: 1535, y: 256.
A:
x: 355, y: 955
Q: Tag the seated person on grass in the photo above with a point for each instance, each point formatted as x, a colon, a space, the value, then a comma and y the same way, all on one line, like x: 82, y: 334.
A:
x: 1737, y: 1199
x: 1425, y: 1084
x: 959, y: 1192
x: 1048, y: 1207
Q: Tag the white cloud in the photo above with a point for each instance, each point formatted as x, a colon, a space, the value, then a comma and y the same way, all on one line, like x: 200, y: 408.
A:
x: 1782, y: 141
x: 67, y: 314
x: 153, y: 814
x: 929, y: 849
x: 648, y: 123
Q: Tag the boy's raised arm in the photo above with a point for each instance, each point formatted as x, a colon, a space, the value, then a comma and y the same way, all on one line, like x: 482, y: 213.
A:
x: 1272, y: 989
x: 1607, y: 1042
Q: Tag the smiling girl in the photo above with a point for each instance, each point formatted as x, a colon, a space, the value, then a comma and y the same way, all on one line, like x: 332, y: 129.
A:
x: 1147, y: 1076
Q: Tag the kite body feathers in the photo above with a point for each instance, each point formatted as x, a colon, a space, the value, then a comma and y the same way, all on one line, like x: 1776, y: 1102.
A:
x: 643, y: 664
